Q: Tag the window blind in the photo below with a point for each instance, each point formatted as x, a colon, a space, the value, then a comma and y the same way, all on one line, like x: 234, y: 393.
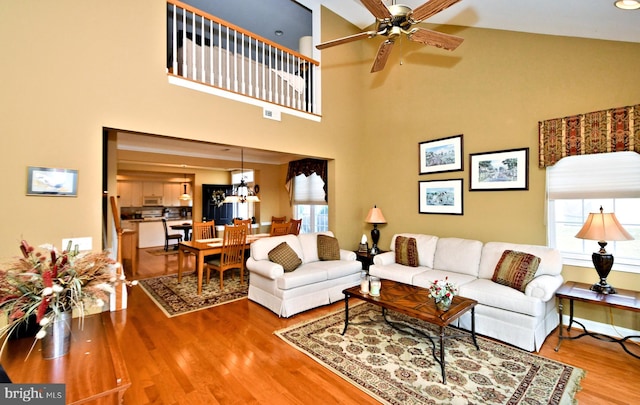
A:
x: 308, y: 190
x: 603, y: 175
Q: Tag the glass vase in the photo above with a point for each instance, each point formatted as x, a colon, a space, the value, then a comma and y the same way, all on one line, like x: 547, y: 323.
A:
x: 443, y: 304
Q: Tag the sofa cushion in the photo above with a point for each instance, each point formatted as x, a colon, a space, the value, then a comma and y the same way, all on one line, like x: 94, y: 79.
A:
x: 458, y: 255
x: 516, y: 269
x: 426, y: 245
x: 328, y: 248
x: 406, y: 251
x: 550, y: 258
x: 260, y: 248
x: 285, y: 256
x: 309, y: 245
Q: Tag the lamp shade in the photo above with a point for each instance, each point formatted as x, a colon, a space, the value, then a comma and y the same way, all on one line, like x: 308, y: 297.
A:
x: 375, y: 216
x: 603, y: 227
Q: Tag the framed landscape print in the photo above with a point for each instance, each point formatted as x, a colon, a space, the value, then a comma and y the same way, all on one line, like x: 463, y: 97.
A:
x: 440, y: 197
x: 441, y: 155
x: 52, y: 182
x: 500, y: 170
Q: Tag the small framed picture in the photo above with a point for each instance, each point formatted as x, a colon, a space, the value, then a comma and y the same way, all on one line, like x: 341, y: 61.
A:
x: 500, y: 170
x: 52, y: 182
x: 441, y: 197
x: 441, y: 155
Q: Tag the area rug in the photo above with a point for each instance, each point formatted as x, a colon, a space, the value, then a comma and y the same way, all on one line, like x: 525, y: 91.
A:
x: 180, y: 298
x: 397, y: 367
x: 161, y: 251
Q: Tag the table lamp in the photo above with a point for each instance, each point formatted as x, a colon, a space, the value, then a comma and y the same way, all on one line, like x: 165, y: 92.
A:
x: 602, y: 227
x: 375, y: 217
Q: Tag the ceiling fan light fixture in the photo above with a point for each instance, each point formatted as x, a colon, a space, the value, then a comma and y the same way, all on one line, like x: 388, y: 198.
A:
x: 627, y: 4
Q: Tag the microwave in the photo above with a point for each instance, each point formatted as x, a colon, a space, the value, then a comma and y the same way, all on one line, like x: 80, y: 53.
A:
x: 153, y: 200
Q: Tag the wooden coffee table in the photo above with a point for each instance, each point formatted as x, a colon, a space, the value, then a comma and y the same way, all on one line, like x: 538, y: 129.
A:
x: 415, y: 302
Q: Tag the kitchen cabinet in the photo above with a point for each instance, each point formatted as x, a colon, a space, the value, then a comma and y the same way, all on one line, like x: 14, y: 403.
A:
x: 172, y: 193
x: 129, y: 194
x: 153, y: 188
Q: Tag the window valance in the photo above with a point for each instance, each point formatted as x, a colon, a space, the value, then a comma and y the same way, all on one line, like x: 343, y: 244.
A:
x: 307, y: 167
x: 613, y: 130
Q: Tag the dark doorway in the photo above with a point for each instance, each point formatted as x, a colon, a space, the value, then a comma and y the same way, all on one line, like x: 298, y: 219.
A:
x: 222, y: 214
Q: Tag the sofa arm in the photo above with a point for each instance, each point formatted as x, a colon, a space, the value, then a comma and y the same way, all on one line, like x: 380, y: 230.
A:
x: 385, y: 258
x: 265, y: 268
x: 544, y: 286
x: 347, y: 255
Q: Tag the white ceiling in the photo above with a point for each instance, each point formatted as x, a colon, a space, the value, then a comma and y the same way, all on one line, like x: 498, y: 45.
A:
x: 597, y: 19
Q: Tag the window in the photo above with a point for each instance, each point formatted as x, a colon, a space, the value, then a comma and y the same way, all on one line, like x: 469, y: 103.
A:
x: 579, y: 185
x: 309, y: 204
x: 244, y: 210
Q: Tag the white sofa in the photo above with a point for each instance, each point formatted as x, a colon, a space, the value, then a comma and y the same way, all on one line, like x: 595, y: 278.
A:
x: 504, y: 313
x: 313, y: 284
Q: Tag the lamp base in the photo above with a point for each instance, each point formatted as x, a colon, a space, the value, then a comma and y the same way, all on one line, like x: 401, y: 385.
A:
x: 603, y: 288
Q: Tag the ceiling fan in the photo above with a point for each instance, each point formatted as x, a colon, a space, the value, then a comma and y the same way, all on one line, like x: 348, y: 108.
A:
x: 399, y: 19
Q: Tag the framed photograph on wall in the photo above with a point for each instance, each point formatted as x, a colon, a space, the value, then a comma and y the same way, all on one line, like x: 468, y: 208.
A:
x: 441, y: 155
x: 500, y: 170
x: 440, y: 197
x: 52, y: 182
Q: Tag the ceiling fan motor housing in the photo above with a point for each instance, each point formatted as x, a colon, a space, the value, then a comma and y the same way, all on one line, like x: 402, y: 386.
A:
x: 400, y: 13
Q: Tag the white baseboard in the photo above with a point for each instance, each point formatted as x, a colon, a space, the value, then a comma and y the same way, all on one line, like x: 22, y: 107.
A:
x: 603, y: 328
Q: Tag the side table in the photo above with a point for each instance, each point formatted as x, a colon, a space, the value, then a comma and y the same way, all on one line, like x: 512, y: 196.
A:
x: 366, y: 258
x: 574, y: 291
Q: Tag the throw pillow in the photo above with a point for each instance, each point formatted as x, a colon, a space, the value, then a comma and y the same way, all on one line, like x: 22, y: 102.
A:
x: 406, y: 251
x: 516, y: 269
x: 328, y: 248
x: 285, y: 256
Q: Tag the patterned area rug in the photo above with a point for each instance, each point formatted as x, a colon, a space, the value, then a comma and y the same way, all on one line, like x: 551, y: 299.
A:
x: 180, y: 298
x: 397, y: 367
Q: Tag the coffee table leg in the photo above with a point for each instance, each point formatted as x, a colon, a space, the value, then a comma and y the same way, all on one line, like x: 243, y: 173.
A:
x: 473, y: 327
x: 346, y: 313
x: 444, y: 376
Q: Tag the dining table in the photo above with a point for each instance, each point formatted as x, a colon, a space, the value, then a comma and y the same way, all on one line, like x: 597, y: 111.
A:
x: 186, y: 228
x: 202, y: 248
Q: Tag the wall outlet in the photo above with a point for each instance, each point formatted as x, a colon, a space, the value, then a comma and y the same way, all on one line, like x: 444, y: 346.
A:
x: 85, y: 243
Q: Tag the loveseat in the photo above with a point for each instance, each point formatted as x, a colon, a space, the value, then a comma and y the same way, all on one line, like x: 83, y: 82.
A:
x: 314, y: 282
x: 521, y: 318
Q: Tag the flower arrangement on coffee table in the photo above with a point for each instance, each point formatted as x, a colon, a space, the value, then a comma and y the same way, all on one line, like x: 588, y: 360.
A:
x: 443, y: 291
x: 46, y: 283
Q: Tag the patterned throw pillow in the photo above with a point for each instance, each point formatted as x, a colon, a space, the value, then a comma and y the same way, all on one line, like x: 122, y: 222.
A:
x: 328, y: 248
x: 285, y: 256
x: 406, y: 251
x: 516, y: 269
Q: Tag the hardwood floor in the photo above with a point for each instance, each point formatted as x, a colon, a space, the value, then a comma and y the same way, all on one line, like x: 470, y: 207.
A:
x: 229, y: 355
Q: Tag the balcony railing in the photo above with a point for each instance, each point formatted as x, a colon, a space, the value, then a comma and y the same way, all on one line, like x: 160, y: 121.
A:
x: 208, y: 50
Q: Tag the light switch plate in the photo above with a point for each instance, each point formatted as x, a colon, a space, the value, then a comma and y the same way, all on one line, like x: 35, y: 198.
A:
x: 85, y: 243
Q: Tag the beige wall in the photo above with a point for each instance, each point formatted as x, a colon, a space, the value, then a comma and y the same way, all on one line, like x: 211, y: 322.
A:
x: 73, y: 67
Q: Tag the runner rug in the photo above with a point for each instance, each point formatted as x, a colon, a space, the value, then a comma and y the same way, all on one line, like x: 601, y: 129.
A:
x: 397, y: 367
x: 180, y: 298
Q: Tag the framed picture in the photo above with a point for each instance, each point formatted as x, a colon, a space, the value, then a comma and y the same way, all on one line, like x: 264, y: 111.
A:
x: 441, y: 197
x: 441, y: 155
x: 501, y: 170
x: 52, y: 182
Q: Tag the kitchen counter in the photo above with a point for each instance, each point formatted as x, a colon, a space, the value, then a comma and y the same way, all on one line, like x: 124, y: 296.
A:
x: 151, y: 231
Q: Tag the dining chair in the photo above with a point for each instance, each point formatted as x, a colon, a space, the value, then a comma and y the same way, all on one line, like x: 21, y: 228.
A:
x: 295, y: 226
x: 204, y: 230
x: 246, y: 222
x: 278, y: 220
x: 278, y: 229
x: 170, y: 236
x: 232, y: 255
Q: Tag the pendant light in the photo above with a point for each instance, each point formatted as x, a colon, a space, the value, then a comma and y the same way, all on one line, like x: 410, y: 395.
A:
x: 243, y: 193
x: 185, y: 196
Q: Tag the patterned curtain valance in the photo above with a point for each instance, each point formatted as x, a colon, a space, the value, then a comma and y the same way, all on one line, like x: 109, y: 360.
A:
x: 308, y: 167
x: 613, y: 130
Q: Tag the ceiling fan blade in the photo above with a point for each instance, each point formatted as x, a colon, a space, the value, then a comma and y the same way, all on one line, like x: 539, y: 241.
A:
x: 344, y: 40
x: 434, y: 38
x: 377, y: 8
x: 430, y: 8
x: 383, y: 54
